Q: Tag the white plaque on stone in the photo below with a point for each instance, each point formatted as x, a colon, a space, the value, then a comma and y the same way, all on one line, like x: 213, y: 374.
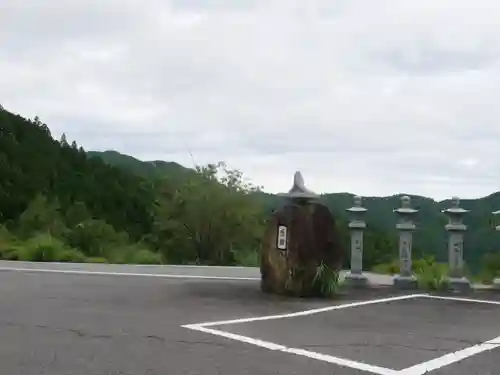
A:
x: 282, y: 237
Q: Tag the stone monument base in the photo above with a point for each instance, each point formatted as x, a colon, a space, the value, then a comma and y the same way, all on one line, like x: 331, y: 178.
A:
x: 356, y: 280
x: 405, y: 282
x: 459, y: 284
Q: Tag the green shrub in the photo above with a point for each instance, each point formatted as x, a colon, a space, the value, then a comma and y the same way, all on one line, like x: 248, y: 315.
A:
x: 45, y: 248
x: 326, y: 281
x: 7, y: 248
x: 10, y: 252
x: 41, y: 248
x: 92, y: 237
x: 430, y: 274
x: 145, y: 256
x: 391, y: 268
x: 247, y: 258
x: 96, y: 260
x: 491, y: 268
x: 72, y: 255
x: 132, y: 254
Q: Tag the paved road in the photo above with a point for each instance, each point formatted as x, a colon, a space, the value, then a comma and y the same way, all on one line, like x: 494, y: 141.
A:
x: 165, y: 270
x: 97, y: 322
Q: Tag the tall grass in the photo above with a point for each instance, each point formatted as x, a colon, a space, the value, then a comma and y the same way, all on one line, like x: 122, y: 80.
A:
x: 41, y: 248
x: 430, y: 274
x: 326, y: 282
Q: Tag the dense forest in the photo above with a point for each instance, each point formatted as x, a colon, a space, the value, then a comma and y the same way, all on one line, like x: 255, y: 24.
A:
x: 59, y: 202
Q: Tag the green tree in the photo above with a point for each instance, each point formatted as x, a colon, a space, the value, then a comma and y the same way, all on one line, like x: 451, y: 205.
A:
x: 42, y: 215
x: 210, y: 217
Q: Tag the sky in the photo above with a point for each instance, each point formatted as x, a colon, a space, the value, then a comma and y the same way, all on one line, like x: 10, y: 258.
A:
x: 369, y: 97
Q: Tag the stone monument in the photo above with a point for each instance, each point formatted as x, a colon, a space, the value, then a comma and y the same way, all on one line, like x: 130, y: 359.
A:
x: 357, y: 225
x: 405, y: 226
x: 456, y: 229
x: 300, y: 236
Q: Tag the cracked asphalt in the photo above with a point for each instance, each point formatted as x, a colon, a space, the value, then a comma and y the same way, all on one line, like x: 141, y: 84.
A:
x: 61, y: 323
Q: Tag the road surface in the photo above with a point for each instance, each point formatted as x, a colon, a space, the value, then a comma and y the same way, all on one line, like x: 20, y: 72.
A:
x: 145, y: 320
x: 236, y: 273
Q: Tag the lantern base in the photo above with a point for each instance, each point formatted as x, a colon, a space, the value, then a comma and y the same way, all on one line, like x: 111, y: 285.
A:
x: 459, y: 284
x: 356, y: 280
x: 405, y: 282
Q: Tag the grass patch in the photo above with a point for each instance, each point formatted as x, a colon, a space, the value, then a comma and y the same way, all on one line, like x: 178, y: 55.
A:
x: 326, y: 282
x: 431, y: 275
x: 391, y: 268
x: 44, y: 248
x: 247, y: 258
x: 96, y: 260
x: 132, y: 254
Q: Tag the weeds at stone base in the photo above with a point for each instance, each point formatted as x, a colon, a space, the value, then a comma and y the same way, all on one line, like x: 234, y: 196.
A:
x: 326, y: 282
x: 430, y: 274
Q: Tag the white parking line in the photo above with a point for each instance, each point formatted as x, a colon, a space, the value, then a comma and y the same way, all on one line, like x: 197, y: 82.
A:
x: 419, y: 369
x: 305, y: 353
x: 462, y: 299
x: 459, y: 355
x: 448, y: 359
x: 105, y: 273
x: 202, y: 327
x: 306, y: 312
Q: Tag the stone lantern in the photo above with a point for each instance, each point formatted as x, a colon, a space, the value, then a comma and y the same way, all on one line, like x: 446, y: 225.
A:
x: 496, y: 281
x: 456, y: 229
x: 357, y: 225
x: 405, y: 225
x: 496, y: 213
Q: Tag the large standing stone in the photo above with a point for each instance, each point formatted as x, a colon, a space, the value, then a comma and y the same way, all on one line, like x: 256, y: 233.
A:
x: 300, y: 236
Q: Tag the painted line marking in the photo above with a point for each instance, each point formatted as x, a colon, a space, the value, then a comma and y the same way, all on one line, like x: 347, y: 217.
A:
x: 419, y: 369
x: 305, y: 353
x: 202, y: 327
x: 459, y: 355
x: 109, y: 273
x: 134, y: 265
x: 305, y: 312
x: 451, y: 358
x: 462, y: 299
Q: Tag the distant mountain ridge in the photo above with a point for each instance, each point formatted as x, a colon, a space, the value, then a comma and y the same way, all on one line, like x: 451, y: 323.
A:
x: 147, y: 169
x: 429, y: 238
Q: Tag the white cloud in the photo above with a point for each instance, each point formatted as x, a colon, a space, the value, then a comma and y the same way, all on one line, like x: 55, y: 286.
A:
x: 372, y: 97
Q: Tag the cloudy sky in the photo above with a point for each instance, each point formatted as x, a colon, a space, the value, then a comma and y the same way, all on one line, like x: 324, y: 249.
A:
x: 371, y: 97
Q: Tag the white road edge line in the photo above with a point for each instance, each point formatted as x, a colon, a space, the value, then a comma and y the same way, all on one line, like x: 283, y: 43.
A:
x: 104, y: 273
x: 462, y: 299
x: 133, y: 265
x: 305, y: 353
x: 451, y: 358
x: 306, y: 312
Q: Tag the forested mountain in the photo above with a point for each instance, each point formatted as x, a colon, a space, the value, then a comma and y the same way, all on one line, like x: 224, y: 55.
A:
x: 58, y: 202
x: 148, y: 169
x: 32, y: 163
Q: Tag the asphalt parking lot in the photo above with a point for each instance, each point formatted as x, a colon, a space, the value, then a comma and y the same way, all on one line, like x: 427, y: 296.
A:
x: 84, y: 323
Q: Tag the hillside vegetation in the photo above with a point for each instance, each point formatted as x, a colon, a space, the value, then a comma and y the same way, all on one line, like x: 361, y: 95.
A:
x: 59, y: 202
x: 430, y: 238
